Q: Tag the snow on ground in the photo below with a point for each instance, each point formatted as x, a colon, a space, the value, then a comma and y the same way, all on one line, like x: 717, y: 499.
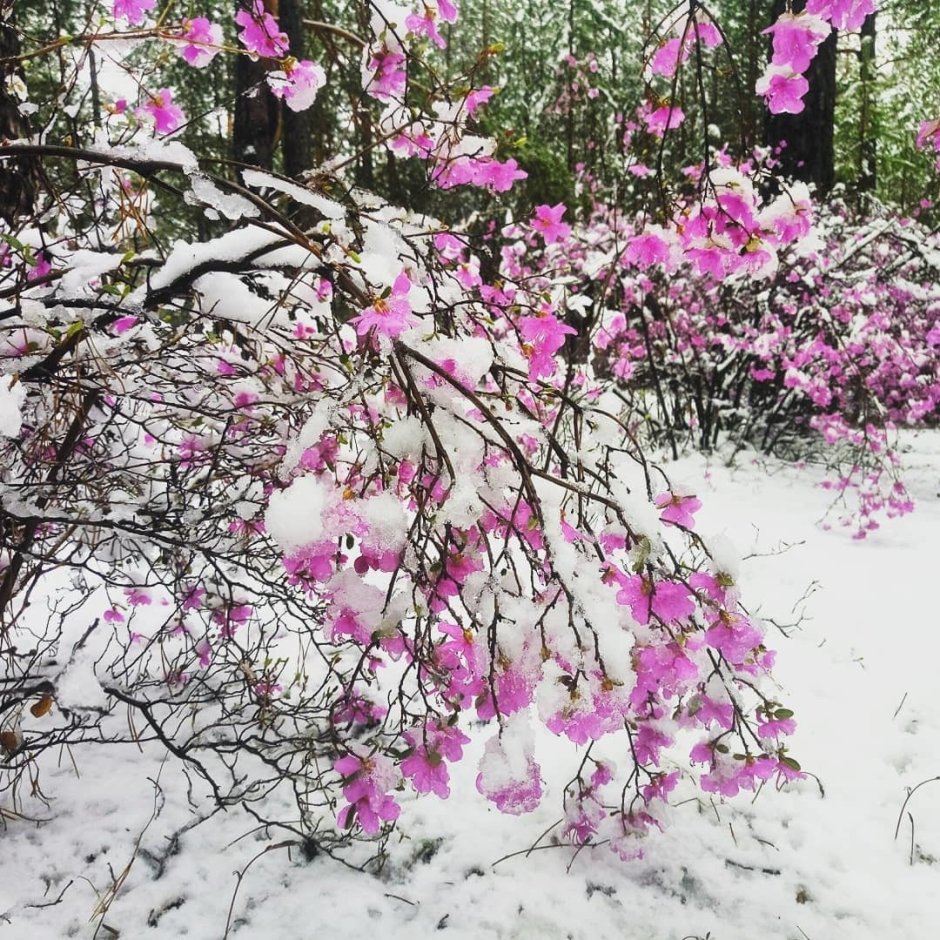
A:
x: 860, y: 672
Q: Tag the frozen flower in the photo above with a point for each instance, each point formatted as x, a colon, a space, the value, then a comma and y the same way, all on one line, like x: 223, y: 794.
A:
x: 167, y: 117
x: 133, y: 11
x: 678, y: 509
x: 298, y: 83
x: 390, y: 315
x: 260, y: 33
x: 202, y: 41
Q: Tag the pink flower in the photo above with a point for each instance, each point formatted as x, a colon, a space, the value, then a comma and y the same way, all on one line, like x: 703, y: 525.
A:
x: 733, y: 636
x: 204, y: 652
x: 646, y: 250
x: 425, y: 24
x: 113, y: 615
x: 166, y: 116
x: 544, y: 336
x: 298, y: 83
x: 123, y: 324
x: 668, y: 57
x: 796, y: 39
x: 778, y: 723
x: 783, y: 89
x: 478, y: 97
x: 667, y: 600
x: 509, y: 776
x: 137, y: 597
x: 663, y: 119
x: 707, y: 34
x: 843, y: 14
x: 388, y: 316
x: 447, y: 11
x: 260, y: 33
x: 203, y: 41
x: 132, y: 10
x: 388, y: 74
x: 425, y: 765
x: 678, y: 509
x: 365, y: 786
x: 41, y: 268
x: 929, y: 131
x: 547, y: 222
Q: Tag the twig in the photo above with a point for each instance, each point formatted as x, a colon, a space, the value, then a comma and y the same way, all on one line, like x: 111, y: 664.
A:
x: 239, y: 875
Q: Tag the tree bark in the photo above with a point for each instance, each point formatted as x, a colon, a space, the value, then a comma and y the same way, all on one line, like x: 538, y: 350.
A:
x: 18, y: 177
x: 257, y: 118
x: 868, y: 128
x: 297, y: 143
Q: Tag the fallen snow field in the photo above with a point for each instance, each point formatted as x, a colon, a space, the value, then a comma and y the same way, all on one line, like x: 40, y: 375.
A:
x: 860, y: 672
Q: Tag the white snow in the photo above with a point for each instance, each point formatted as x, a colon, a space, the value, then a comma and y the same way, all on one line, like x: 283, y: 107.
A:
x: 12, y: 396
x: 859, y: 671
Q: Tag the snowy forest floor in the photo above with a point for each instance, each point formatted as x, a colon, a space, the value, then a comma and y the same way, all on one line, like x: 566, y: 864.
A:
x: 819, y: 861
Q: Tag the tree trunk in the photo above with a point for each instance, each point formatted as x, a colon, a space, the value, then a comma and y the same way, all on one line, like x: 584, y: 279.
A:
x: 297, y: 145
x: 18, y: 178
x: 806, y: 140
x: 257, y: 111
x: 868, y: 127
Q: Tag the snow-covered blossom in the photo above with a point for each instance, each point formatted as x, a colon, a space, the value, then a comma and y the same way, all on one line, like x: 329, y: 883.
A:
x: 389, y: 315
x: 260, y: 33
x: 166, y: 115
x: 297, y: 83
x: 202, y: 41
x: 134, y: 11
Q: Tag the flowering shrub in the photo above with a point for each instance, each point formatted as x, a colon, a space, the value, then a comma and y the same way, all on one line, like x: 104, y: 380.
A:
x: 322, y: 493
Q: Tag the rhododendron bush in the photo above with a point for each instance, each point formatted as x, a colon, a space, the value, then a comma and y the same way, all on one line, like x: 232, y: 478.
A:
x: 823, y: 356
x: 320, y: 496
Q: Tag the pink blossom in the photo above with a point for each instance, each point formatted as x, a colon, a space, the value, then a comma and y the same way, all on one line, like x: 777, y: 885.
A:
x: 678, y: 509
x: 783, y: 89
x: 734, y: 636
x: 664, y: 118
x: 547, y: 222
x: 298, y: 83
x: 843, y: 14
x: 133, y: 11
x: 137, y: 597
x: 447, y: 11
x: 425, y: 766
x: 647, y: 249
x: 123, y: 324
x: 230, y: 618
x: 204, y: 652
x: 510, y: 777
x: 478, y: 97
x: 707, y: 34
x: 203, y: 41
x: 388, y: 316
x: 167, y: 117
x: 772, y: 726
x: 544, y: 335
x: 668, y: 57
x: 366, y: 782
x: 260, y: 33
x: 796, y: 38
x: 666, y: 599
x: 41, y: 268
x: 425, y: 24
x: 929, y: 132
x: 388, y: 74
